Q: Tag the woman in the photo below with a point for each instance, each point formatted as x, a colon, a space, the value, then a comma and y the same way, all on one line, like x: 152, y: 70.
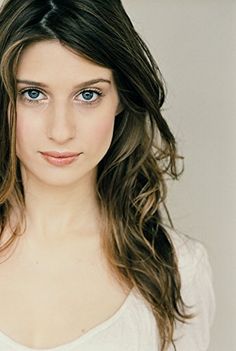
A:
x: 88, y: 261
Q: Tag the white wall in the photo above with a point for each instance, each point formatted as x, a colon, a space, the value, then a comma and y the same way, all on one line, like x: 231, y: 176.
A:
x: 194, y: 42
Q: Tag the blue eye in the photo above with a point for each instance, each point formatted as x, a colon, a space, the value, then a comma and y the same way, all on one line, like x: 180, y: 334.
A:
x: 90, y: 96
x: 33, y: 95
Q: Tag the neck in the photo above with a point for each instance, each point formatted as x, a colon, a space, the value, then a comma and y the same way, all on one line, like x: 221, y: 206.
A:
x: 55, y: 213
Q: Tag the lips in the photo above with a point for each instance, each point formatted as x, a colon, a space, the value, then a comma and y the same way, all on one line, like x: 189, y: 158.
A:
x: 60, y: 159
x: 59, y: 154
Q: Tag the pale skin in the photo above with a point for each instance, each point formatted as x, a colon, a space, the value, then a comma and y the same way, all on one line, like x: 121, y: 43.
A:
x: 62, y: 121
x: 58, y: 262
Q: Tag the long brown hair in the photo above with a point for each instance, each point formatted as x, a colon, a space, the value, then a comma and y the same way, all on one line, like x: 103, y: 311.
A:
x: 131, y: 178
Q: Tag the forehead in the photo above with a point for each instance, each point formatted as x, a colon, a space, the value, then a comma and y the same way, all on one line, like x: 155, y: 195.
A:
x: 50, y: 59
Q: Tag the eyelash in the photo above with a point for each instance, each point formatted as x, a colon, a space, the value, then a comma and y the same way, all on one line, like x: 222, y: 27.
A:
x: 98, y: 92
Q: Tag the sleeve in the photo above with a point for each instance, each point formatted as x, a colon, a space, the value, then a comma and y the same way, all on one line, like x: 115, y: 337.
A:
x: 197, y: 291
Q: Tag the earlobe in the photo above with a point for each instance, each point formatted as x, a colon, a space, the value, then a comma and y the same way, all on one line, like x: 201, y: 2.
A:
x: 119, y: 109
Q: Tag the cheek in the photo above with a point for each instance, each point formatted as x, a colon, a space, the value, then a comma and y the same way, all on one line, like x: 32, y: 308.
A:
x: 26, y: 133
x: 103, y: 131
x: 99, y: 128
x: 96, y: 138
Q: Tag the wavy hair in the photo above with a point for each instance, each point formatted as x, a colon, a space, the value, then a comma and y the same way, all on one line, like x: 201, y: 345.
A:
x: 132, y: 177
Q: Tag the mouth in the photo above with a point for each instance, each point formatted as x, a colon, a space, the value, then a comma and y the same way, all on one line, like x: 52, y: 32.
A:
x: 57, y: 154
x: 60, y: 158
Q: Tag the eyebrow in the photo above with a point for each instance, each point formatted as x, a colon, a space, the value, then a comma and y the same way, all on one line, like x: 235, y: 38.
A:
x: 89, y: 82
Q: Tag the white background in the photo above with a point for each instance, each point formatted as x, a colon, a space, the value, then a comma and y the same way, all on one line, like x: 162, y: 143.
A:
x: 194, y: 43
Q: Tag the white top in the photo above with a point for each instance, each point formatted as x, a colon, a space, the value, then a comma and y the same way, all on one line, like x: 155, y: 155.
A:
x: 133, y: 327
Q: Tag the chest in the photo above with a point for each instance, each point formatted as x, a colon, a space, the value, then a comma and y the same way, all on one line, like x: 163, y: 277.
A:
x: 46, y: 304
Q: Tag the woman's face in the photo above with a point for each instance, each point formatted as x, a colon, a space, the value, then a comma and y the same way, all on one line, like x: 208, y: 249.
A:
x: 68, y: 105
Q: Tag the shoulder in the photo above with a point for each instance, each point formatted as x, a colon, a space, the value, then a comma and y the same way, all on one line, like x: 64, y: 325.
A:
x: 196, y: 290
x: 192, y: 256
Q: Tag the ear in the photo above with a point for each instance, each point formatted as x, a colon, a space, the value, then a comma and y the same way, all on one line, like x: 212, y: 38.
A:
x: 119, y: 109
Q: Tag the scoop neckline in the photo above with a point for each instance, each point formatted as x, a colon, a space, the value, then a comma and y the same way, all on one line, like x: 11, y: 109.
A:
x: 67, y: 346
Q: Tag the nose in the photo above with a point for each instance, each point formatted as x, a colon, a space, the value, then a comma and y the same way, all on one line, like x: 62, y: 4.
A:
x: 61, y: 124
